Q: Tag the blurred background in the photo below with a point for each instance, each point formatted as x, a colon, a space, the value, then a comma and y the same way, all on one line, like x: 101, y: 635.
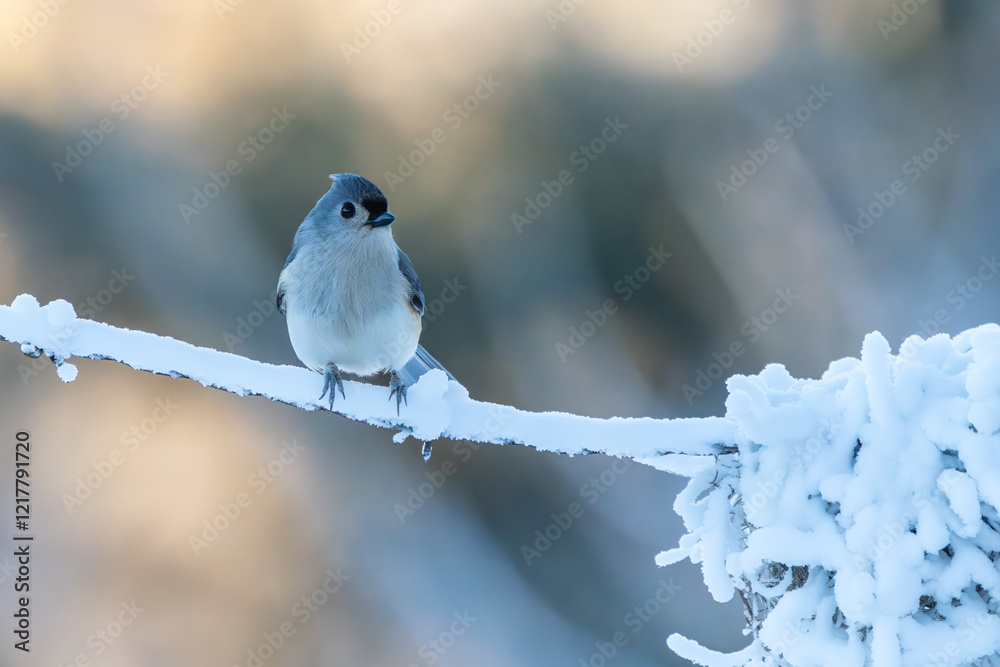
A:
x: 611, y: 206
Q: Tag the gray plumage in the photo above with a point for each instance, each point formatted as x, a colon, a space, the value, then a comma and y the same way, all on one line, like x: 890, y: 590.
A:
x: 421, y: 362
x: 352, y: 298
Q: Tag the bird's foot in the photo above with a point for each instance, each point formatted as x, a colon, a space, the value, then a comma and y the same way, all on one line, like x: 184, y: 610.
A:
x: 397, y: 389
x: 332, y: 382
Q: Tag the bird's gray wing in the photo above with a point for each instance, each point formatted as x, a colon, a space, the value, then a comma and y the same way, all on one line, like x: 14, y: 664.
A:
x: 280, y: 299
x: 422, y: 361
x: 416, y: 291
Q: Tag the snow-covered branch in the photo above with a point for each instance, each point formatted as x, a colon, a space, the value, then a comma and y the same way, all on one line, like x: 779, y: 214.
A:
x: 857, y: 515
x: 858, y: 522
x: 435, y: 407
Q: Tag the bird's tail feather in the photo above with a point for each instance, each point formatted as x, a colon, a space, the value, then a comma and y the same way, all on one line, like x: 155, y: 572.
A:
x: 420, y: 363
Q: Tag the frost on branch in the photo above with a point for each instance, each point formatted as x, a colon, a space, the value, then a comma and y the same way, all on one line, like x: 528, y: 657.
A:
x: 858, y: 520
x: 435, y: 408
x: 856, y: 515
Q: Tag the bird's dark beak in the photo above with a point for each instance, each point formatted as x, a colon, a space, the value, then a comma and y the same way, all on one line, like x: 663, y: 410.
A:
x: 381, y: 220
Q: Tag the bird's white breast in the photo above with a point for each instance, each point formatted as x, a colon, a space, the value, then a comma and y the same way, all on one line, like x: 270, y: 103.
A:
x: 385, y: 340
x: 352, y: 310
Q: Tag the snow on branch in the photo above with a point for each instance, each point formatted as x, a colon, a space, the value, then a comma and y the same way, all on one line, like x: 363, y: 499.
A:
x: 435, y: 407
x: 856, y: 516
x: 858, y: 520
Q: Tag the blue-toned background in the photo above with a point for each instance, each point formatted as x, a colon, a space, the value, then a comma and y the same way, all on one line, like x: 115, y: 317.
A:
x: 611, y: 206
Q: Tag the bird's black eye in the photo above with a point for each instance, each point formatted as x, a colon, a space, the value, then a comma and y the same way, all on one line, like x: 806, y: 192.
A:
x: 347, y: 210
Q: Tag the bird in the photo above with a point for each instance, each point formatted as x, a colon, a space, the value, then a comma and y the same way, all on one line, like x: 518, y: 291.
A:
x: 350, y: 295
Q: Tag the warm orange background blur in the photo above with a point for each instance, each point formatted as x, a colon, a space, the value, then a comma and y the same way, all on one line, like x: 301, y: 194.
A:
x: 741, y: 136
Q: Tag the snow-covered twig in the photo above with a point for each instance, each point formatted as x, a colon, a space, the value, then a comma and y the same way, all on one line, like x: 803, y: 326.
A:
x: 856, y: 515
x: 436, y: 408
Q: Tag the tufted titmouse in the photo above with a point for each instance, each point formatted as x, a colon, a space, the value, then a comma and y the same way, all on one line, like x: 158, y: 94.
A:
x: 351, y: 297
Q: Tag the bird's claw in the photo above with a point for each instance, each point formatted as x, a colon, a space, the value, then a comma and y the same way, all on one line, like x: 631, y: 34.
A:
x: 397, y: 389
x: 332, y: 382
